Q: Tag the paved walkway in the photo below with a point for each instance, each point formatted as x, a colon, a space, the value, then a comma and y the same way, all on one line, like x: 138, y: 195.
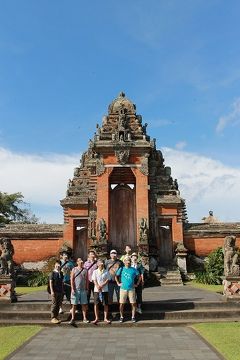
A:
x: 171, y: 343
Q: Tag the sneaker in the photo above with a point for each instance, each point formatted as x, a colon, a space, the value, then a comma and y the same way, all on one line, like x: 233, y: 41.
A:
x: 121, y: 320
x: 139, y: 310
x: 61, y: 311
x: 86, y: 321
x: 71, y: 322
x: 55, y: 321
x: 133, y: 320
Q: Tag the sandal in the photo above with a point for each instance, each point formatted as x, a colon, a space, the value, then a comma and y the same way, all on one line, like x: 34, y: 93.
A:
x: 94, y: 322
x: 107, y: 321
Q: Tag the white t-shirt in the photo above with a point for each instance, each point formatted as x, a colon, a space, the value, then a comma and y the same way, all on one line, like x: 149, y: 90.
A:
x: 100, y: 277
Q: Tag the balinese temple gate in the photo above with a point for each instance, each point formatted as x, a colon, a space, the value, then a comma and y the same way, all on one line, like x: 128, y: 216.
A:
x: 122, y: 193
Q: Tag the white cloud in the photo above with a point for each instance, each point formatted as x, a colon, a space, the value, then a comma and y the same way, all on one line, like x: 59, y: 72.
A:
x: 233, y: 118
x: 205, y: 184
x: 181, y: 145
x: 41, y: 179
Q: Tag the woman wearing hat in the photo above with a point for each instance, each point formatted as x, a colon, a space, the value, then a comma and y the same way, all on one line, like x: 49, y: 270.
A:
x: 138, y: 266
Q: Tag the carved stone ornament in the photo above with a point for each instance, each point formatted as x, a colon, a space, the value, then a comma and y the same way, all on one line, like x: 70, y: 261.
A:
x: 6, y: 257
x: 102, y: 231
x: 143, y: 231
x: 100, y: 168
x: 144, y: 165
x: 230, y: 257
x: 92, y: 224
x: 122, y: 156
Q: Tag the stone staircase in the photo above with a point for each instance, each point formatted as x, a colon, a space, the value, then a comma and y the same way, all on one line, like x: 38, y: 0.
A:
x: 155, y: 313
x: 171, y: 278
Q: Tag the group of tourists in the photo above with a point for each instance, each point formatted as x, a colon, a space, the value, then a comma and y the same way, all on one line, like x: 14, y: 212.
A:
x: 123, y: 277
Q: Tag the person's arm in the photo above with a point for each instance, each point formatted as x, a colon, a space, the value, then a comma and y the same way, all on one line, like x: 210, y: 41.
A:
x: 72, y: 282
x: 51, y: 283
x: 118, y: 273
x: 139, y: 278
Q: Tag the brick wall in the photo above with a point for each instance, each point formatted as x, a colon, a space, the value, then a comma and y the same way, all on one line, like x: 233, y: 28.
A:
x: 202, y: 246
x: 35, y: 249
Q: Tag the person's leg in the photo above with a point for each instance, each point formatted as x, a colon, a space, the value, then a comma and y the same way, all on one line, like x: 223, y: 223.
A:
x: 53, y: 307
x: 117, y: 291
x: 73, y: 312
x: 121, y: 308
x: 105, y: 303
x: 134, y: 310
x: 110, y: 292
x: 84, y: 311
x: 139, y: 297
x: 59, y: 297
x: 90, y: 291
x: 132, y: 300
x: 123, y: 298
x: 96, y: 312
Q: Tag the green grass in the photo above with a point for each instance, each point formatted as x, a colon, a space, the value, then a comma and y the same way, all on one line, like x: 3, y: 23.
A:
x: 214, y: 288
x: 22, y: 290
x: 225, y: 337
x: 11, y: 337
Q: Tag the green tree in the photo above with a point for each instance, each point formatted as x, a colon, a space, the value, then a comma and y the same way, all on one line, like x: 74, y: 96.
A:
x: 14, y: 209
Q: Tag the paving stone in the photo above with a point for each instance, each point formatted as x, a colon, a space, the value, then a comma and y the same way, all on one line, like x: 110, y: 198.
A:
x: 131, y: 343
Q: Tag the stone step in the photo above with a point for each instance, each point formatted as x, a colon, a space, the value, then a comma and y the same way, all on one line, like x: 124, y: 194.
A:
x: 127, y: 323
x: 150, y: 305
x: 146, y: 315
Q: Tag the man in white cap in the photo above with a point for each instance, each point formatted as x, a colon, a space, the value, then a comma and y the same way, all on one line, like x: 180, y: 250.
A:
x: 112, y: 265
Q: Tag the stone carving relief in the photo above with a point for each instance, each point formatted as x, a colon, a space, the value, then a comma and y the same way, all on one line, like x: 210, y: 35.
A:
x: 230, y: 256
x: 102, y: 231
x: 6, y: 257
x: 143, y: 231
x: 122, y: 155
x: 100, y: 168
x: 92, y: 225
x: 144, y: 165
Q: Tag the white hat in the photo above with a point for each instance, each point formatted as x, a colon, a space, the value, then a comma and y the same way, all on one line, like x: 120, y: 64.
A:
x: 113, y: 252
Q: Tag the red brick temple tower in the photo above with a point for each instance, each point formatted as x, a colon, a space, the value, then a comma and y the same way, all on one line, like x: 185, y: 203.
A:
x: 122, y: 193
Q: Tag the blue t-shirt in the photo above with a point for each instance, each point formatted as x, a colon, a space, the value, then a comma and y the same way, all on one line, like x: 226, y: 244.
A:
x: 128, y: 276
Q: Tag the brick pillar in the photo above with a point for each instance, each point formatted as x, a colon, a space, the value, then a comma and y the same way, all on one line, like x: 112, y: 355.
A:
x: 68, y: 232
x: 103, y: 197
x: 177, y: 230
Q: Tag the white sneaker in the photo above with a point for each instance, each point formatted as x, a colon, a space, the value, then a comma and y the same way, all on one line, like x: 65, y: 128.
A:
x: 139, y: 310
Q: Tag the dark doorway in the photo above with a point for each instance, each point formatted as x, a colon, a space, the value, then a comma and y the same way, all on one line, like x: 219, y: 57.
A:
x: 80, y: 239
x: 165, y: 245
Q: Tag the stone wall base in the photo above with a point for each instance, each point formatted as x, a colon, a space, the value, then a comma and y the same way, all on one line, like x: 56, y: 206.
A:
x: 231, y: 288
x: 7, y: 289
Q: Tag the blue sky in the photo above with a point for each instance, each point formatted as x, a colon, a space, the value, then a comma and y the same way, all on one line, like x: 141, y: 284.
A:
x: 62, y: 63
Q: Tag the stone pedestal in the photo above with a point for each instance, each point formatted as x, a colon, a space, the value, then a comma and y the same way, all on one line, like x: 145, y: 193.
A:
x: 182, y: 262
x: 231, y: 288
x: 7, y: 292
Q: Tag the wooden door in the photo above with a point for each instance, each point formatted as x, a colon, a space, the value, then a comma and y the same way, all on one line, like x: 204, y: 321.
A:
x: 122, y: 217
x: 165, y: 245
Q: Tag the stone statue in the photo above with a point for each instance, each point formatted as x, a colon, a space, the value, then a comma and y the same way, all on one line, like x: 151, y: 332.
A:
x: 76, y: 172
x: 230, y: 256
x: 6, y: 257
x: 143, y: 231
x: 102, y: 231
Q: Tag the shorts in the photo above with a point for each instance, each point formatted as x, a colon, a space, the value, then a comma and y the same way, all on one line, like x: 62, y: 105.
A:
x: 104, y: 300
x: 130, y: 294
x: 79, y: 297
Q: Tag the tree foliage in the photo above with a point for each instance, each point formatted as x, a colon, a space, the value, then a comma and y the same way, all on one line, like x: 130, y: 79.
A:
x: 14, y: 209
x: 213, y: 268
